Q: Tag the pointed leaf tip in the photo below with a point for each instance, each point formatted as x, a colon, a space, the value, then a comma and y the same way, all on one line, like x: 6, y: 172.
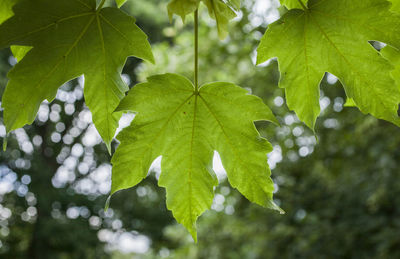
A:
x: 274, y: 206
x: 5, y: 141
x: 194, y: 236
x: 120, y: 3
x: 274, y: 120
x: 108, y: 145
x: 193, y: 232
x: 107, y: 204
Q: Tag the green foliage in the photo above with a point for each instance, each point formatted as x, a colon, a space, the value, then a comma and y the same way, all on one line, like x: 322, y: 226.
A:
x: 332, y: 36
x: 294, y: 4
x: 179, y: 122
x: 185, y: 127
x: 82, y: 40
x: 182, y: 8
x: 222, y: 13
x: 340, y: 200
x: 219, y: 10
x: 323, y: 218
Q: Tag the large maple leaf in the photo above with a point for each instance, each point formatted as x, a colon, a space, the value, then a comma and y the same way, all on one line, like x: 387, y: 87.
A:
x: 332, y: 36
x: 69, y: 38
x: 185, y: 127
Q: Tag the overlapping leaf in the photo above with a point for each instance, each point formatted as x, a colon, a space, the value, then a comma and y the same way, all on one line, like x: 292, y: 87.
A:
x: 185, y: 127
x: 221, y: 11
x: 332, y: 36
x: 69, y: 38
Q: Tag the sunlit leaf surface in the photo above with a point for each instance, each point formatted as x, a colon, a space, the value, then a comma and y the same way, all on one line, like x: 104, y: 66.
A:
x: 185, y: 127
x: 332, y: 36
x: 69, y: 38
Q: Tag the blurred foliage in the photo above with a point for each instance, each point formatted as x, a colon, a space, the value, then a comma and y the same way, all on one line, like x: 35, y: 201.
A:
x: 339, y: 188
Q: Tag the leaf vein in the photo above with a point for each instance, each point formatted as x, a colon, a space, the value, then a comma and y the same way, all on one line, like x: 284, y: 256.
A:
x: 48, y: 26
x: 349, y: 63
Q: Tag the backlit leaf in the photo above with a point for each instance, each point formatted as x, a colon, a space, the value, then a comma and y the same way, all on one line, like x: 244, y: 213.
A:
x: 332, y: 36
x: 69, y: 39
x: 185, y: 128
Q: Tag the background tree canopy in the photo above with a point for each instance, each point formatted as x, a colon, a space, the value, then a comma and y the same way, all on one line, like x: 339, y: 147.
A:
x: 340, y: 192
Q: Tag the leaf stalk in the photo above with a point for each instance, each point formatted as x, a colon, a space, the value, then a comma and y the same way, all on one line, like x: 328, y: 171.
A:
x: 196, y: 50
x: 101, y: 5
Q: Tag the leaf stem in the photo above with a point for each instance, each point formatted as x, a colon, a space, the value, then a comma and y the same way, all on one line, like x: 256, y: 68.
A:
x: 101, y: 4
x: 302, y: 5
x: 196, y: 50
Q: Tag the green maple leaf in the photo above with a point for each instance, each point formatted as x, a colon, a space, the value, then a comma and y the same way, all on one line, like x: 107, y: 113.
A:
x: 69, y: 38
x: 332, y: 36
x: 219, y: 10
x: 294, y: 4
x: 186, y: 127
